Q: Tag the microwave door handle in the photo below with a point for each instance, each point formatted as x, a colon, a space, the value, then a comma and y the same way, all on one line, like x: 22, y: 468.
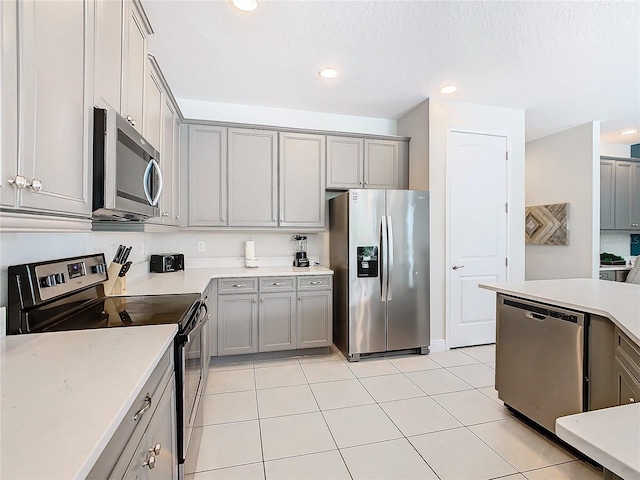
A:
x: 145, y: 182
x: 156, y: 165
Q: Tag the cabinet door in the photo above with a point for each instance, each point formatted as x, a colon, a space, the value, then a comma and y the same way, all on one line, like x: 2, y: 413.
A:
x: 315, y: 325
x: 302, y: 180
x: 345, y: 162
x: 277, y: 322
x: 153, y: 109
x: 167, y: 162
x: 253, y: 178
x: 56, y: 45
x: 176, y: 195
x: 607, y: 189
x: 628, y: 386
x: 8, y: 102
x: 237, y: 324
x: 108, y: 54
x: 627, y: 197
x: 134, y: 65
x: 207, y: 176
x: 380, y: 164
x: 211, y: 300
x: 158, y: 445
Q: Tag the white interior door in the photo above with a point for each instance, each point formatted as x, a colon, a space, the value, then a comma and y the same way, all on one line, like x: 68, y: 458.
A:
x: 477, y: 234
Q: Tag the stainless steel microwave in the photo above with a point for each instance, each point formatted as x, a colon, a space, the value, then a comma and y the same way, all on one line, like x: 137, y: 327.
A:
x: 127, y: 180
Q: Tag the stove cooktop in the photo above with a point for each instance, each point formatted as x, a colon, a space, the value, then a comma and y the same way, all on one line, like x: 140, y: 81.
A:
x: 109, y: 312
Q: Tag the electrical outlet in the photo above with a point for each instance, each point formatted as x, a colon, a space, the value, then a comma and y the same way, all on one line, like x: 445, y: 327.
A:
x: 201, y: 246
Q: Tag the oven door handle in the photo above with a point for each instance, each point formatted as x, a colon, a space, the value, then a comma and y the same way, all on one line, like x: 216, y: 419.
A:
x: 186, y: 337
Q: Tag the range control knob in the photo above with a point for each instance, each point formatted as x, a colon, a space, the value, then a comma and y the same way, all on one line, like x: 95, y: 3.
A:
x: 48, y: 281
x: 60, y: 278
x: 100, y: 268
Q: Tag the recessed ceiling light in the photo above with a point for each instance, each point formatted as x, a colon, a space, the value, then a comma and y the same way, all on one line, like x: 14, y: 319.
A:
x: 448, y: 89
x: 328, y: 73
x: 630, y: 131
x: 245, y: 5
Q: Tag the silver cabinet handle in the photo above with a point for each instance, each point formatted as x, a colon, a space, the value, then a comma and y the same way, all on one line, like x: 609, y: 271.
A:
x: 147, y: 406
x: 36, y: 185
x: 457, y: 267
x: 634, y: 224
x: 277, y: 284
x: 151, y: 463
x: 253, y: 301
x: 299, y: 298
x: 156, y: 449
x: 130, y: 119
x: 19, y: 182
x: 223, y: 219
x: 632, y: 400
x: 315, y: 283
x: 165, y: 214
x: 239, y: 285
x: 261, y: 300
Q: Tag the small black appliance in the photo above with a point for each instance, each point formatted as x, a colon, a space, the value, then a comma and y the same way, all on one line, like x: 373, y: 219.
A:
x: 300, y: 246
x: 166, y: 262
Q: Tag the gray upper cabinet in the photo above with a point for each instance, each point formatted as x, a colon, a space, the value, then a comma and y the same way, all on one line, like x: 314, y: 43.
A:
x: 345, y: 162
x: 168, y: 161
x: 253, y: 178
x: 381, y: 164
x: 277, y: 321
x: 627, y: 195
x: 136, y: 31
x: 302, y: 180
x: 108, y: 53
x: 607, y: 191
x: 152, y: 115
x: 55, y: 84
x: 207, y: 176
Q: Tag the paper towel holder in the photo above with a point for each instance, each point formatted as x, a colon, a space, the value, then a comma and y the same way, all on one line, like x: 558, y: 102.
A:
x: 250, y: 254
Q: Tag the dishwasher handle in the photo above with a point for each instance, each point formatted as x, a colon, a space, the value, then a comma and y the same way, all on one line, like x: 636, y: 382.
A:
x: 535, y: 316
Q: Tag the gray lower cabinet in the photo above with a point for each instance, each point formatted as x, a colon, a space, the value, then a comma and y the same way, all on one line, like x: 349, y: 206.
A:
x: 156, y: 456
x: 253, y: 177
x: 277, y: 321
x: 237, y: 324
x: 302, y: 180
x: 627, y: 369
x: 314, y: 319
x: 210, y: 297
x: 207, y: 176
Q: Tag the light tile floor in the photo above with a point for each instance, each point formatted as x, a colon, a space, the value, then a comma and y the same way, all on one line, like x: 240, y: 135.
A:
x: 399, y: 417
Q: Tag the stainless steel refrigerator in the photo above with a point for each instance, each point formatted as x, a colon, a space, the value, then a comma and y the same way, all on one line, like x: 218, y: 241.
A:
x: 379, y: 248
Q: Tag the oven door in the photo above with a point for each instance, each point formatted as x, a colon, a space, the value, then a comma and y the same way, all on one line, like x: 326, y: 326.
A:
x: 193, y: 353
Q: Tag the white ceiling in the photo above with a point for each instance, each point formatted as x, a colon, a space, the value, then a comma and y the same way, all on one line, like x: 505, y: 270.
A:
x: 564, y: 62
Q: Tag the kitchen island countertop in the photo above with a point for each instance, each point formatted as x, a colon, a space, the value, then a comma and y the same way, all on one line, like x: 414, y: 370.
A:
x: 195, y: 280
x: 618, y: 301
x: 65, y: 393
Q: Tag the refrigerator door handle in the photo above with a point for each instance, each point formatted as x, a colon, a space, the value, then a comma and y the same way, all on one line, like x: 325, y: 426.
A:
x: 390, y: 258
x: 381, y: 256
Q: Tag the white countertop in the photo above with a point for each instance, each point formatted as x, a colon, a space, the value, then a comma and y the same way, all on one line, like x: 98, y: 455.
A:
x: 65, y: 393
x: 610, y: 436
x: 617, y: 301
x: 195, y: 280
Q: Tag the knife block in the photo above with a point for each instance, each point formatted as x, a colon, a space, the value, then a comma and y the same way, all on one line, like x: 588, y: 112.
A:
x: 115, y: 285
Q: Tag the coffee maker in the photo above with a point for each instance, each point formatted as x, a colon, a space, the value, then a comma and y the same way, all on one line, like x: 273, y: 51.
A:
x: 300, y: 246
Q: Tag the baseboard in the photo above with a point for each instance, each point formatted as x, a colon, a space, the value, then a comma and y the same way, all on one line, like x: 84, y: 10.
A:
x: 438, y: 345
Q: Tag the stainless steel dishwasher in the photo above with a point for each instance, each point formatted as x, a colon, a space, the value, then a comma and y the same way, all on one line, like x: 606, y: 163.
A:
x: 540, y: 353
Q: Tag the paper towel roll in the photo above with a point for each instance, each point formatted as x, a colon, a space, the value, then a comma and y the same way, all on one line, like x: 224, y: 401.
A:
x: 250, y: 250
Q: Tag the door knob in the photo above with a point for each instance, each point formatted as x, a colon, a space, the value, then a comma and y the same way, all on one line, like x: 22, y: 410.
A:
x: 457, y: 267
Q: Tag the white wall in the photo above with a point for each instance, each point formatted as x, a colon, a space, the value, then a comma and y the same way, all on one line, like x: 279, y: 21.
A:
x: 281, y: 117
x: 222, y: 248
x: 565, y: 167
x: 415, y: 124
x: 615, y: 150
x: 442, y: 117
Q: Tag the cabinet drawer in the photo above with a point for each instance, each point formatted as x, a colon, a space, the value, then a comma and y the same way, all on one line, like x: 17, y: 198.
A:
x: 628, y: 353
x: 238, y: 285
x: 277, y: 284
x: 314, y: 282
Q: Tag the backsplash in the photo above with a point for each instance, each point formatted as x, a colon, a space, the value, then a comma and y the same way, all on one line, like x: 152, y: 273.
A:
x: 615, y: 242
x: 220, y: 248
